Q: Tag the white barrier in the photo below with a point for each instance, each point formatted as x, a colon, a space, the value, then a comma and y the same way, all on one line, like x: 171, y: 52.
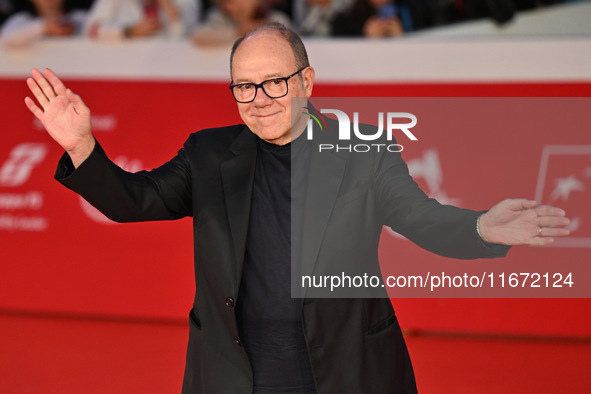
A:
x: 514, y: 59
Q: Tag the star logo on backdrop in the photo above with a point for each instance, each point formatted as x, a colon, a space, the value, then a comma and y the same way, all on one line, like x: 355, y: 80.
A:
x: 565, y: 186
x: 563, y: 180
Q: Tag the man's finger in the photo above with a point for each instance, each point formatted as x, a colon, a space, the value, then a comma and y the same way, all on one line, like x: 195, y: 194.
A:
x: 33, y: 108
x: 53, y: 79
x: 546, y: 210
x: 553, y: 221
x: 45, y: 86
x: 76, y: 101
x: 36, y: 90
x: 553, y: 232
x: 541, y: 241
x: 519, y: 204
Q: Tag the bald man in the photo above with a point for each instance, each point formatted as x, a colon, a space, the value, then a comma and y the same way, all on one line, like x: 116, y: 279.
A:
x: 247, y: 334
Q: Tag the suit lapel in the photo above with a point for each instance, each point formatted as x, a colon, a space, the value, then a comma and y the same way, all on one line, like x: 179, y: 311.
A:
x: 237, y: 170
x: 237, y: 177
x: 325, y: 176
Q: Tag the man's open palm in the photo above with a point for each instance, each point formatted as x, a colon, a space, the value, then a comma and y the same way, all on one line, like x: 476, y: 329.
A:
x: 63, y: 114
x: 523, y: 222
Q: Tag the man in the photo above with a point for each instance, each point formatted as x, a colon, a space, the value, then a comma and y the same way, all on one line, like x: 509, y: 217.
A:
x: 246, y: 333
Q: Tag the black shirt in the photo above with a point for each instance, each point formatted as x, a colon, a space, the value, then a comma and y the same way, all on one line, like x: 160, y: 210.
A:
x: 270, y: 320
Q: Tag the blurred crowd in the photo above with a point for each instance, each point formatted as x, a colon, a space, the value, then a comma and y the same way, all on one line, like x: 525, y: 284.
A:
x: 220, y: 22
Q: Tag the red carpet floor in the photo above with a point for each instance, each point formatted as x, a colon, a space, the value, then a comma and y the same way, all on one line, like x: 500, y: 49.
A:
x: 50, y: 355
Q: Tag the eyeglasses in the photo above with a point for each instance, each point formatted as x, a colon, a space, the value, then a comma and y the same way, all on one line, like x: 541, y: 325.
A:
x: 274, y: 88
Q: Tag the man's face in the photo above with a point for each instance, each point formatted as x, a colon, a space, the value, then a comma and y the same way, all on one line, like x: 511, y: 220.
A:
x: 48, y: 7
x: 239, y: 8
x: 264, y: 56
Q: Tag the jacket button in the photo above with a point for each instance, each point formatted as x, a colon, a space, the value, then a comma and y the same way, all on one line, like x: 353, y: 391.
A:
x: 229, y: 302
x: 237, y: 342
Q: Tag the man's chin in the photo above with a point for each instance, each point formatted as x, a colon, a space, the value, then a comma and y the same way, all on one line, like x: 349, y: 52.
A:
x: 273, y: 137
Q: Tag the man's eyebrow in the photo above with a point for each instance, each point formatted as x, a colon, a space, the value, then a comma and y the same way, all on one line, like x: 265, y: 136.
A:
x: 267, y: 77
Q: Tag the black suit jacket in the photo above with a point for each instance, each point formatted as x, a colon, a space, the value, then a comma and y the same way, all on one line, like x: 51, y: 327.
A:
x: 355, y: 344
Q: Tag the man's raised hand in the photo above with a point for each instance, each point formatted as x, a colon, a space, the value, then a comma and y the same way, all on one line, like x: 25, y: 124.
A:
x: 63, y: 114
x: 522, y: 222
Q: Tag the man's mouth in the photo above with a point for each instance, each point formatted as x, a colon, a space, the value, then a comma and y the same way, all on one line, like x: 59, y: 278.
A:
x: 265, y: 115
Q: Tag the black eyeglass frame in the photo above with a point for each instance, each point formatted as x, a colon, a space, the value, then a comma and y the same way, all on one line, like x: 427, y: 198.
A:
x: 260, y: 85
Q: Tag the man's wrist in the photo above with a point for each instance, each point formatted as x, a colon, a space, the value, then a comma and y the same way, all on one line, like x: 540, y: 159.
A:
x: 479, y: 229
x: 79, y: 155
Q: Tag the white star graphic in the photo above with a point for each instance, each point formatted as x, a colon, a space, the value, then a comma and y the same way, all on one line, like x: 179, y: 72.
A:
x: 564, y: 187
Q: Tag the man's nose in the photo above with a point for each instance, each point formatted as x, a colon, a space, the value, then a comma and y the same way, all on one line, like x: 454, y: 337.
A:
x: 261, y: 97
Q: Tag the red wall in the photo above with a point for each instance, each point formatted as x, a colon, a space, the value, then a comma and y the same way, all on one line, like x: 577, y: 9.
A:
x: 73, y: 264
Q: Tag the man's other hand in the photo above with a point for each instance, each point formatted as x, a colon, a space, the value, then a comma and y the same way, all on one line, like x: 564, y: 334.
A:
x: 522, y: 222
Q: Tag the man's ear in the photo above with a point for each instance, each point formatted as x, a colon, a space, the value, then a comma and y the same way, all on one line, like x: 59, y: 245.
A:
x: 308, y: 80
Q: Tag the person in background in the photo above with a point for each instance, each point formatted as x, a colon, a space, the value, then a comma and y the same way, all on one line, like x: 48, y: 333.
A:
x: 374, y: 19
x: 315, y: 17
x: 120, y: 19
x: 6, y: 10
x: 41, y: 18
x: 229, y: 19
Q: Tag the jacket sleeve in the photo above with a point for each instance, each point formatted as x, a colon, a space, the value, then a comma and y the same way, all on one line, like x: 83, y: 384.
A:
x: 161, y: 194
x: 442, y: 229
